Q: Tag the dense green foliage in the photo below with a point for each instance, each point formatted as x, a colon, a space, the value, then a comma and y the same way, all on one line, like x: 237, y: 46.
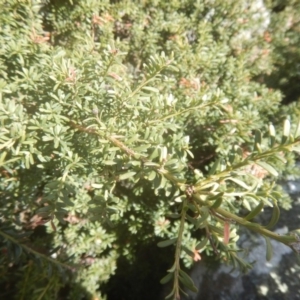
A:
x: 126, y: 123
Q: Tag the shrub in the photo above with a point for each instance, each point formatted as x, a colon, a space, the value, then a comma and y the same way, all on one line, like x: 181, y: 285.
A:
x: 124, y: 124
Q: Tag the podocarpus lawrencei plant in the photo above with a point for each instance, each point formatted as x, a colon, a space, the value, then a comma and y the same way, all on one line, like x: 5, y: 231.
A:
x: 123, y: 123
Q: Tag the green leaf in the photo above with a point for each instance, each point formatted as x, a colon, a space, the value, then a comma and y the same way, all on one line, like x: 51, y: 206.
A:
x: 286, y: 127
x: 2, y: 157
x: 173, y: 216
x: 171, y: 161
x: 189, y: 153
x: 297, y: 131
x: 109, y: 162
x: 46, y: 138
x: 246, y: 204
x: 217, y: 202
x: 272, y: 134
x: 151, y: 164
x: 187, y: 281
x: 286, y: 131
x: 163, y: 154
x: 172, y: 269
x: 275, y: 216
x: 188, y: 251
x: 202, y: 244
x: 255, y: 211
x: 212, y: 184
x: 296, y: 148
x: 18, y: 252
x: 272, y: 131
x: 258, y: 139
x: 167, y: 243
x: 204, y: 217
x: 171, y: 294
x: 239, y: 182
x: 150, y: 89
x: 216, y: 229
x: 267, y: 167
x: 49, y: 271
x: 153, y: 155
x: 126, y: 175
x: 163, y: 182
x: 97, y: 185
x: 152, y: 175
x: 280, y: 157
x: 269, y: 249
x: 216, y: 196
x: 167, y: 278
x: 215, y: 167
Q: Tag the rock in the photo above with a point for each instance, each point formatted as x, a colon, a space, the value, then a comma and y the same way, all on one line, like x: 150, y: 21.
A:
x: 277, y: 279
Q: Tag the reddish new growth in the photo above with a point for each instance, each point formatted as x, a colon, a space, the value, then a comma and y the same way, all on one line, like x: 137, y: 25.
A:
x: 102, y: 20
x: 197, y: 256
x: 39, y: 39
x: 190, y: 83
x: 254, y: 169
x: 226, y: 233
x: 267, y: 37
x: 72, y: 75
